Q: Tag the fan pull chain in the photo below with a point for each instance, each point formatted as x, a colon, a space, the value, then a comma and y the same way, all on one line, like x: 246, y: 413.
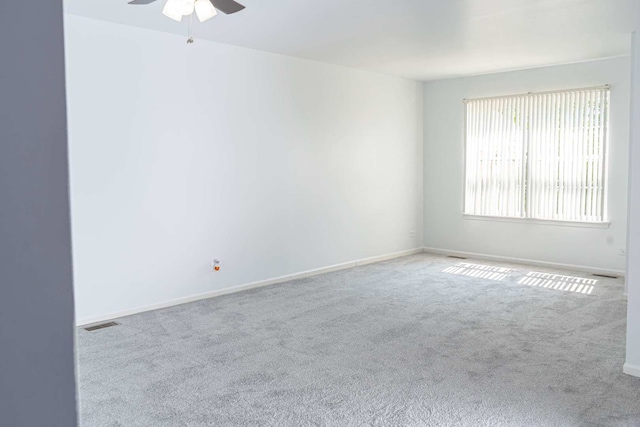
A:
x: 190, y: 39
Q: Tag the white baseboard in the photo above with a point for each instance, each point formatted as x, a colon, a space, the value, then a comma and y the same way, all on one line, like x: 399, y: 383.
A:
x: 240, y: 288
x: 633, y: 370
x: 525, y: 261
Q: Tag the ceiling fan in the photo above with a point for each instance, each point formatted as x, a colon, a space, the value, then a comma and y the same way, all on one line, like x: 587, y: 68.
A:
x: 204, y: 9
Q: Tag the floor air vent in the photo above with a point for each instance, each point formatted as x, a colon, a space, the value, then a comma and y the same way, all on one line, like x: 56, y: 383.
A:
x: 101, y: 326
x: 607, y: 276
x: 456, y: 257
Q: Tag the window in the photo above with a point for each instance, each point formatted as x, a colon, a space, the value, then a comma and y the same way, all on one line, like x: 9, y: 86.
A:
x: 538, y: 155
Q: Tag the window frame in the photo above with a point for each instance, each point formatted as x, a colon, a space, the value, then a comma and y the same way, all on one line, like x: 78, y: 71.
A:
x: 605, y: 223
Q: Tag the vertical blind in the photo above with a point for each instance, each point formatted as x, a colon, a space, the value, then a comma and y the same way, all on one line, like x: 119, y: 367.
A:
x: 538, y: 155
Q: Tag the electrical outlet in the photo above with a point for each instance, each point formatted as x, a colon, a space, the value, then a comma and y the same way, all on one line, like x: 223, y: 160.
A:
x: 622, y: 252
x: 412, y: 233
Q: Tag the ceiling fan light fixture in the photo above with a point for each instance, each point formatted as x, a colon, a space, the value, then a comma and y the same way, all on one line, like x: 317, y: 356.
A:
x: 172, y: 10
x: 186, y: 6
x: 205, y: 10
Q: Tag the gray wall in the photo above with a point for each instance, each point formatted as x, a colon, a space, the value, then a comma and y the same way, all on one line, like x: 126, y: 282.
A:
x: 37, y: 384
x: 632, y: 365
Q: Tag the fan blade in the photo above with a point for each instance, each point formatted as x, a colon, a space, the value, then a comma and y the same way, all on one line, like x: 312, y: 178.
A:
x: 226, y: 6
x: 141, y: 1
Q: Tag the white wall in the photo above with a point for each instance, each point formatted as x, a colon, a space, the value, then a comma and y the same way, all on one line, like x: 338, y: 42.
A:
x: 37, y: 366
x: 445, y: 227
x: 632, y: 365
x: 183, y: 153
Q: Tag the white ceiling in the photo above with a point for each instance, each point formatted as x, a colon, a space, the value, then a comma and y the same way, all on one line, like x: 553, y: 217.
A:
x: 419, y: 39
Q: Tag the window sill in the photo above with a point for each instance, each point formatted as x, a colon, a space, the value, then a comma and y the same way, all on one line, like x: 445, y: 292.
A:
x: 552, y: 222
